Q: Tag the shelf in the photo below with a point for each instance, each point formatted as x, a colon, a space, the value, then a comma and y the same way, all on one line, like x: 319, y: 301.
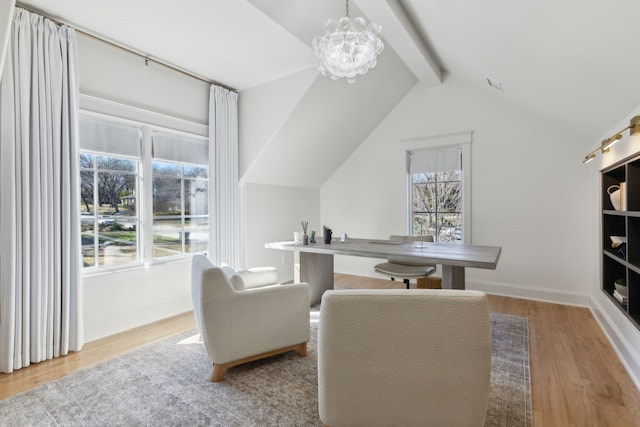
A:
x: 617, y: 303
x: 622, y: 213
x: 613, y: 225
x: 633, y: 186
x: 612, y: 177
x: 633, y: 289
x: 633, y: 241
x: 636, y: 319
x: 622, y: 262
x: 615, y: 257
x: 612, y: 270
x: 633, y: 267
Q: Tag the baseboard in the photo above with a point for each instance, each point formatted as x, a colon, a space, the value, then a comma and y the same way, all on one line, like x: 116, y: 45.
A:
x: 530, y: 292
x: 626, y: 352
x: 365, y: 269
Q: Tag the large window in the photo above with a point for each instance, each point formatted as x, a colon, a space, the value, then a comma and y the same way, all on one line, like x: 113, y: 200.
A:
x: 436, y: 180
x: 127, y: 219
x: 180, y: 209
x: 180, y: 181
x: 110, y: 221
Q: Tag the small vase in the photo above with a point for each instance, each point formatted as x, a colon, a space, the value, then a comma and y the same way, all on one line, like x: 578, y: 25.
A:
x: 327, y: 236
x: 305, y: 239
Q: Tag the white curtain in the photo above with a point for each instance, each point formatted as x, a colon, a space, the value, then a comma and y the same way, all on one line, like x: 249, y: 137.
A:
x: 223, y: 161
x: 6, y: 15
x: 40, y: 254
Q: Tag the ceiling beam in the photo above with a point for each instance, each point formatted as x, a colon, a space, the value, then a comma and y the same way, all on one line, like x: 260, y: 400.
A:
x: 400, y: 33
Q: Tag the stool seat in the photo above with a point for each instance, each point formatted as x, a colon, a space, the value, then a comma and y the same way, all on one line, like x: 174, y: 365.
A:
x: 404, y: 271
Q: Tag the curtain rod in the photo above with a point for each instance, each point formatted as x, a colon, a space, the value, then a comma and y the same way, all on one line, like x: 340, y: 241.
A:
x: 127, y: 49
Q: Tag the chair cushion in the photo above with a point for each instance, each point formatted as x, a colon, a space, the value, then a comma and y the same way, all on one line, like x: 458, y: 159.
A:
x: 254, y: 278
x: 228, y: 270
x: 405, y: 271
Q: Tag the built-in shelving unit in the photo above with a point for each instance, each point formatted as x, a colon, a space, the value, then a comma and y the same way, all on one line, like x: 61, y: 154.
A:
x: 623, y: 261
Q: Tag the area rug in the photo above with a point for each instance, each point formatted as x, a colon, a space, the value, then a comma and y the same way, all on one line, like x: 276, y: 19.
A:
x: 167, y: 384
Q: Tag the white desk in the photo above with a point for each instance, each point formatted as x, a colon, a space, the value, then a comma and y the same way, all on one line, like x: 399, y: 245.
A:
x: 316, y: 259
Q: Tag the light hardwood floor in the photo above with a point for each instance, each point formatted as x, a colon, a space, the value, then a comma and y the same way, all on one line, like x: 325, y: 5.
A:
x: 576, y: 377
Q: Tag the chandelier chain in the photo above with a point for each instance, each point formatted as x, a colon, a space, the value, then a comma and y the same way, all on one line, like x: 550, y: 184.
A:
x: 346, y: 8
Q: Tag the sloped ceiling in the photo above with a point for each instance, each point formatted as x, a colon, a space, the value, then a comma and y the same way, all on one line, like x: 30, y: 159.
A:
x: 327, y: 124
x: 570, y: 63
x: 331, y: 118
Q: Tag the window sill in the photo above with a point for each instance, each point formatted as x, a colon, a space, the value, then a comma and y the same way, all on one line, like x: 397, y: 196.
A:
x: 102, y: 271
x: 98, y: 276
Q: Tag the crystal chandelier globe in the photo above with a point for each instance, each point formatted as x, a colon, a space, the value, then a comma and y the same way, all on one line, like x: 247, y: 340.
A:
x: 348, y: 48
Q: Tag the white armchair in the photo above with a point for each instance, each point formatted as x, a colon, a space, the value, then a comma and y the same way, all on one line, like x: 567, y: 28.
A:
x: 392, y: 357
x: 241, y: 321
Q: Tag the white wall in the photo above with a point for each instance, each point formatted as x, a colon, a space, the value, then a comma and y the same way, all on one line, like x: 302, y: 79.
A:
x: 117, y: 301
x: 528, y: 192
x: 266, y: 108
x: 272, y: 213
x: 110, y: 73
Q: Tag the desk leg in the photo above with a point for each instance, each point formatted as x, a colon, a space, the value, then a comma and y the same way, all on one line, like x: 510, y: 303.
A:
x: 452, y: 277
x: 316, y: 270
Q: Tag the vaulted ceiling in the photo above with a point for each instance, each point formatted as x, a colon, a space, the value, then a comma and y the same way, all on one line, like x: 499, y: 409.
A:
x: 569, y: 62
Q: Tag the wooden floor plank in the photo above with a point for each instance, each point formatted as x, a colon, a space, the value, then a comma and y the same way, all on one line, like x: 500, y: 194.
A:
x: 577, y: 378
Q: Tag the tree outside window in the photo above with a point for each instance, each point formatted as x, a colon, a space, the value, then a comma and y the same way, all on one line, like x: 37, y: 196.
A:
x: 180, y: 209
x: 437, y: 205
x: 108, y: 208
x: 143, y: 192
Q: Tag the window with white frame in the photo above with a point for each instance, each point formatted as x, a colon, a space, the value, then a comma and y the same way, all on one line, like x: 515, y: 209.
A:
x: 180, y: 195
x: 128, y: 220
x: 109, y: 181
x: 436, y: 188
x: 110, y: 221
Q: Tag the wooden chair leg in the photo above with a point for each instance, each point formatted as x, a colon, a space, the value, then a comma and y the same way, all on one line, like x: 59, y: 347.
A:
x: 218, y: 372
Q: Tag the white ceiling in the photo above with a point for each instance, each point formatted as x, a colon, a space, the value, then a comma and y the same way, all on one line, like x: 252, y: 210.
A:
x: 570, y: 62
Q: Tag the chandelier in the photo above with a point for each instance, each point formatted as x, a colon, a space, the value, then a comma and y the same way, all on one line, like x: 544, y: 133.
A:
x: 348, y: 48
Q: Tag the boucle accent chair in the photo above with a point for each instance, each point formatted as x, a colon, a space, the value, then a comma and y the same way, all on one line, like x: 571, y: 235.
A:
x: 239, y: 323
x: 397, y: 358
